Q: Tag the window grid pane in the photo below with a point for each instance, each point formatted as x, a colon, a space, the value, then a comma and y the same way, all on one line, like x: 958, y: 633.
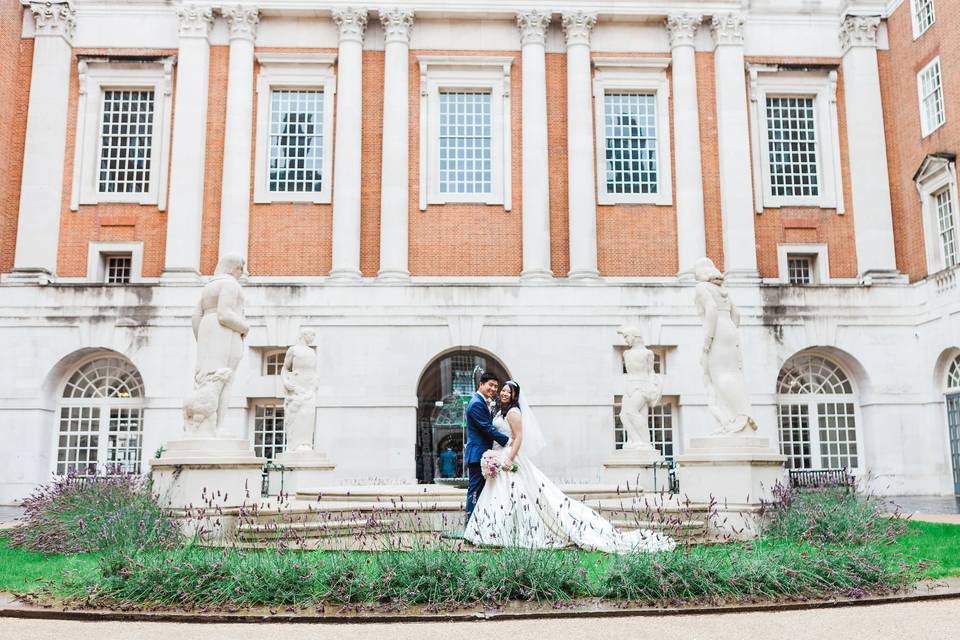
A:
x: 799, y: 270
x: 296, y: 141
x: 126, y: 141
x: 838, y: 437
x: 105, y: 378
x: 124, y: 440
x: 794, y: 421
x: 953, y: 376
x: 661, y: 429
x: 268, y: 438
x: 466, y: 142
x: 78, y: 441
x: 792, y: 147
x: 931, y: 97
x: 118, y: 269
x: 923, y: 15
x: 630, y: 140
x: 273, y: 363
x: 947, y: 226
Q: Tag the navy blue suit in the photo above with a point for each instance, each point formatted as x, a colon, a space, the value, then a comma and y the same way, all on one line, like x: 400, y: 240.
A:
x: 481, y: 435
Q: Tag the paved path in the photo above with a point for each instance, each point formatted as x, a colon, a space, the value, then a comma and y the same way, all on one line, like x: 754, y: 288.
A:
x: 920, y: 620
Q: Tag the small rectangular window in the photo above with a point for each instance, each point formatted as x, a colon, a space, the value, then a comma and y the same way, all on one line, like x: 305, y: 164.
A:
x: 466, y: 142
x: 630, y: 143
x: 273, y: 362
x: 296, y: 141
x: 923, y: 16
x: 126, y: 141
x: 932, y: 114
x: 947, y: 227
x: 800, y: 269
x: 117, y: 268
x: 268, y: 438
x: 792, y: 147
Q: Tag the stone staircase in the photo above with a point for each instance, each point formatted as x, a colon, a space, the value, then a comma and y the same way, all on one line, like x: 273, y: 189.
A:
x: 403, y: 516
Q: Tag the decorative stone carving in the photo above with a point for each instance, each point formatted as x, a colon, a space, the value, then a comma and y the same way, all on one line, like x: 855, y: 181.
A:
x: 54, y: 19
x: 577, y: 26
x: 721, y: 359
x: 681, y: 28
x: 727, y: 28
x: 299, y: 377
x: 533, y: 26
x: 859, y: 31
x: 352, y: 23
x: 242, y: 21
x: 219, y: 328
x: 397, y: 24
x: 195, y: 21
x: 643, y: 390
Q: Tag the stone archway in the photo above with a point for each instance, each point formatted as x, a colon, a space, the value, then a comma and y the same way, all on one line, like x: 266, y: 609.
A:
x: 444, y: 388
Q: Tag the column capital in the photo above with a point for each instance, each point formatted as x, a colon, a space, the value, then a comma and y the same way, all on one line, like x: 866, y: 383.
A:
x: 242, y: 21
x: 397, y: 24
x: 682, y: 27
x: 352, y: 22
x: 54, y: 19
x: 577, y: 26
x: 533, y: 26
x: 195, y: 21
x: 859, y: 31
x: 727, y: 28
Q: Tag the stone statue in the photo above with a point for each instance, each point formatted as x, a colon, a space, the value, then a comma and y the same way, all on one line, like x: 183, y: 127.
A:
x: 219, y: 328
x: 642, y: 392
x: 721, y: 359
x: 299, y: 377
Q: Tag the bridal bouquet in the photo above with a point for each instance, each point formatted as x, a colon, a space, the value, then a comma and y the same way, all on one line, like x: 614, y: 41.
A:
x: 490, y: 464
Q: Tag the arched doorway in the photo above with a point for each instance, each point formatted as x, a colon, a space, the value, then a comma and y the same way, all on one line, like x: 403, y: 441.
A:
x: 444, y: 390
x: 953, y: 419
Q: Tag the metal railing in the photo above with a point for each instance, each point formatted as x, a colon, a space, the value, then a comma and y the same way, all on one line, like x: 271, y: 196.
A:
x: 265, y: 478
x: 822, y: 478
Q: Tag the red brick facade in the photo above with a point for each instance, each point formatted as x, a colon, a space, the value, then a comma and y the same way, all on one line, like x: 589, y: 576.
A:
x: 16, y: 59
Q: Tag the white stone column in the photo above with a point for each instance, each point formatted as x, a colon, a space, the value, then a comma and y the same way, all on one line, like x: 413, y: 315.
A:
x: 869, y: 183
x: 237, y: 143
x: 691, y: 241
x: 346, y: 161
x: 395, y: 167
x: 38, y: 227
x: 188, y: 151
x: 581, y: 170
x: 536, y: 182
x: 733, y: 140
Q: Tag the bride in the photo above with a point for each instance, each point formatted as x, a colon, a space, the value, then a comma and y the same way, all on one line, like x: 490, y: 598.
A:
x: 521, y: 507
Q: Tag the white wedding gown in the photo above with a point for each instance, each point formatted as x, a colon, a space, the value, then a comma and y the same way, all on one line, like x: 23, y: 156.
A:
x: 524, y: 508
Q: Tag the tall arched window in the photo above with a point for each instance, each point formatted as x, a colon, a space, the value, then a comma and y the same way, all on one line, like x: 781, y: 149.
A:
x: 953, y: 418
x: 816, y: 410
x: 101, y: 419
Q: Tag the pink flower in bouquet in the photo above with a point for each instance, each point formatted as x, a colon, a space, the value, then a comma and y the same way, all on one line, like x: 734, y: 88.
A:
x: 490, y: 464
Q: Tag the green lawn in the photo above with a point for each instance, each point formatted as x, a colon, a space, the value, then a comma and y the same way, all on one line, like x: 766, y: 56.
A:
x: 21, y: 570
x: 939, y: 544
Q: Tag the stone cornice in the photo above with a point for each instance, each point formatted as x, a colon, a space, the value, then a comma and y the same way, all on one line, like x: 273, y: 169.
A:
x: 397, y: 24
x: 54, y: 19
x: 195, y: 21
x: 727, y: 28
x: 577, y: 26
x: 352, y: 22
x: 533, y: 26
x: 859, y: 31
x: 242, y: 21
x: 682, y: 28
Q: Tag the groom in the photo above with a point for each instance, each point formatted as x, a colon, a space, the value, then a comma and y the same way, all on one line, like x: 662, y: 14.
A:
x: 480, y: 435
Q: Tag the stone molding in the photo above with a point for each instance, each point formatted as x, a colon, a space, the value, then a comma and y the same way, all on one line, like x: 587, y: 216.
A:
x: 397, y: 24
x: 195, y: 21
x: 727, y: 28
x: 352, y: 23
x: 54, y: 19
x: 242, y: 21
x: 533, y: 26
x: 682, y: 28
x: 859, y: 31
x: 577, y: 26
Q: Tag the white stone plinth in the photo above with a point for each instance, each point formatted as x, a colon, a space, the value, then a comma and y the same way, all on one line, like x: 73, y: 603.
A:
x: 207, y: 473
x: 302, y: 469
x: 737, y: 473
x: 632, y: 469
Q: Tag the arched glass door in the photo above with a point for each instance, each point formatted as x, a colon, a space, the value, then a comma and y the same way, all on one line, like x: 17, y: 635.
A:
x: 953, y: 419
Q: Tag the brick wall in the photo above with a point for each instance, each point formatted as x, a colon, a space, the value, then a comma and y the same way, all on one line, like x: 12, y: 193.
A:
x: 371, y: 154
x: 556, y: 67
x: 709, y: 158
x: 906, y: 150
x: 16, y: 58
x: 213, y: 167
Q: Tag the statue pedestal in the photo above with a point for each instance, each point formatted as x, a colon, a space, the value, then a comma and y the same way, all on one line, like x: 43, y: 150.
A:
x: 207, y: 473
x: 302, y: 470
x: 737, y: 473
x: 633, y: 469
